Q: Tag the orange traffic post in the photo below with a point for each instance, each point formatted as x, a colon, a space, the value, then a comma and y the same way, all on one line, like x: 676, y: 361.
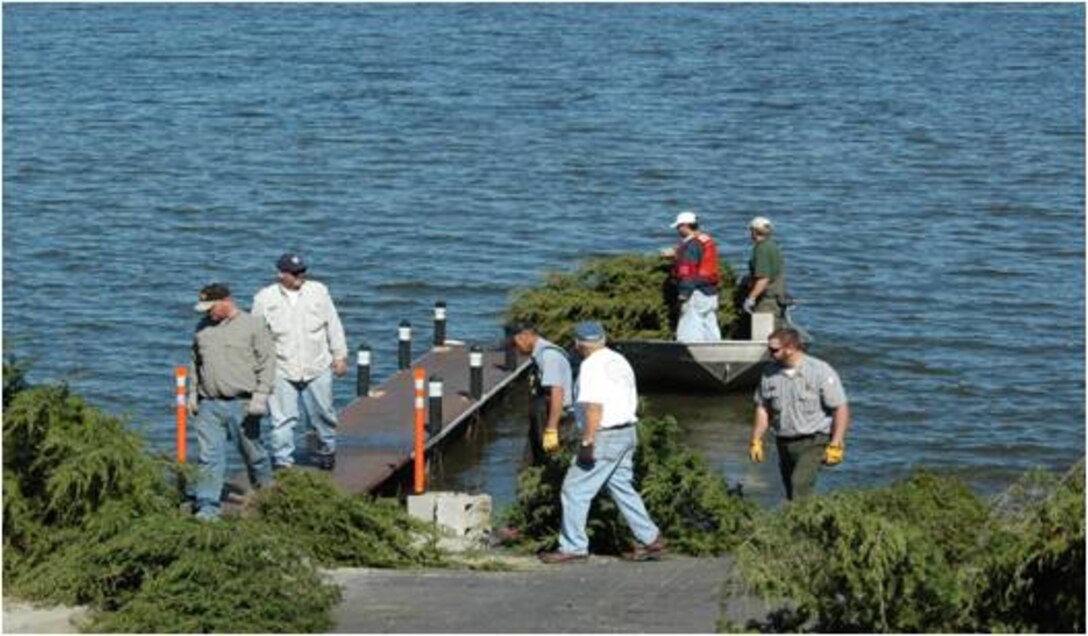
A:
x: 181, y: 373
x: 419, y: 483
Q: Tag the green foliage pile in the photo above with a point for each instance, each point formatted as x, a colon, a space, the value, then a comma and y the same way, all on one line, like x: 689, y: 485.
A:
x: 173, y: 573
x: 91, y: 517
x: 686, y: 498
x: 1034, y: 580
x: 925, y: 554
x: 66, y: 468
x: 629, y: 294
x: 342, y: 530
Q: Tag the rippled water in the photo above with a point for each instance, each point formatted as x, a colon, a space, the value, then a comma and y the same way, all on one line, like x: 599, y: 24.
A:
x: 924, y: 164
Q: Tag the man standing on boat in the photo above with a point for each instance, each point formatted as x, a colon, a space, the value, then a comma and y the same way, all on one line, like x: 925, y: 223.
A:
x: 765, y: 291
x: 550, y: 389
x: 802, y: 399
x: 310, y: 347
x: 695, y: 273
x: 608, y: 399
x: 233, y: 372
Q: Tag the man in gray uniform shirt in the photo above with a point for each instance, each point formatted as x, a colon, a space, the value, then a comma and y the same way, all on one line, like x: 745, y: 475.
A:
x: 550, y: 389
x: 233, y: 371
x: 802, y: 398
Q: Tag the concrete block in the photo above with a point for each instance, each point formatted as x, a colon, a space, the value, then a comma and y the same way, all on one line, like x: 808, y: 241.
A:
x: 464, y: 519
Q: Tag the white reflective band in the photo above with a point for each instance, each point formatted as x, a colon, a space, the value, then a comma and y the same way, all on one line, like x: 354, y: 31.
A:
x: 435, y: 389
x: 419, y: 403
x: 404, y: 333
x: 181, y: 381
x: 419, y: 384
x: 363, y: 358
x: 439, y: 313
x: 181, y: 401
x: 476, y: 359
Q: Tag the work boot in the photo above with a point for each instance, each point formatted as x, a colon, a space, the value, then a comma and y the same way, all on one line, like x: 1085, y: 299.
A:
x: 651, y: 552
x: 326, y: 461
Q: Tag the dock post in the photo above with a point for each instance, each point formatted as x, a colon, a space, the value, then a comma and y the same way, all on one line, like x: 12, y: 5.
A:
x: 476, y: 372
x: 440, y: 323
x: 362, y: 371
x: 181, y: 373
x: 434, y: 398
x: 510, y: 362
x: 419, y: 473
x: 404, y: 345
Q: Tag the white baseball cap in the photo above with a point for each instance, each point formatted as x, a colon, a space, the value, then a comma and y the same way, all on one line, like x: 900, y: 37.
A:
x: 685, y: 218
x: 760, y: 223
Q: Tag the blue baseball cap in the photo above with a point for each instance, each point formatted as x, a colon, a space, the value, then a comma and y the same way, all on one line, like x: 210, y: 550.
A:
x: 291, y: 263
x: 589, y: 331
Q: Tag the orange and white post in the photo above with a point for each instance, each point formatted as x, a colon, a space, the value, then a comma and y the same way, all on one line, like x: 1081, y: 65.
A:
x: 420, y: 476
x: 181, y: 373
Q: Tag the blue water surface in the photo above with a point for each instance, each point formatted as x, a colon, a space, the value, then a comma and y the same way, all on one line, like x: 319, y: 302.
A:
x: 924, y: 165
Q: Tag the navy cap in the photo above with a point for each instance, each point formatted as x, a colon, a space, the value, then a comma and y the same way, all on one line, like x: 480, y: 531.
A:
x: 589, y: 331
x: 291, y: 263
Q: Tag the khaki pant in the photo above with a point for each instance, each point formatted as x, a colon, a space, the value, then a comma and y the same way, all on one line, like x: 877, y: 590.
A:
x: 799, y: 459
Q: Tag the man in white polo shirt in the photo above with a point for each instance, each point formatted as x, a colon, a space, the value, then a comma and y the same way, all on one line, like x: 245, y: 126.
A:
x: 608, y: 401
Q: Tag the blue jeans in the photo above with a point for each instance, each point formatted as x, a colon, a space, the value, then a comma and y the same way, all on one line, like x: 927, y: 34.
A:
x: 614, y: 453
x: 289, y: 399
x: 218, y: 422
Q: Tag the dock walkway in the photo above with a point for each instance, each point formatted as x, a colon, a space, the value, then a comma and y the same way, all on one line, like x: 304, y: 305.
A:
x: 375, y: 437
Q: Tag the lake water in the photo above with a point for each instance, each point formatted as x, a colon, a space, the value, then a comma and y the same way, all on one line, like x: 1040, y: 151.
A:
x: 924, y: 165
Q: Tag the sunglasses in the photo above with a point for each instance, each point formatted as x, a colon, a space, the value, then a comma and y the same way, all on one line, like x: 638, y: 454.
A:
x: 773, y: 351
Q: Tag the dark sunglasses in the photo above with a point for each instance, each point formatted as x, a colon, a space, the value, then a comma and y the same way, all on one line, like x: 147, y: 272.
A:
x: 773, y: 351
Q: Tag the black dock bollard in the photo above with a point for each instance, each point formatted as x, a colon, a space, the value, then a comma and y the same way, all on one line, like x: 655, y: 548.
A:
x: 362, y: 371
x: 440, y: 323
x: 510, y: 362
x: 434, y: 397
x: 476, y: 372
x: 404, y: 345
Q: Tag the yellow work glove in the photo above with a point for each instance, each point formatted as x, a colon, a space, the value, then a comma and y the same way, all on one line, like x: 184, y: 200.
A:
x: 755, y: 451
x: 551, y: 440
x: 834, y: 454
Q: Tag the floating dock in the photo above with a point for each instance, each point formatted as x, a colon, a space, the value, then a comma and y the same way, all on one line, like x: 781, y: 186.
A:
x: 375, y: 439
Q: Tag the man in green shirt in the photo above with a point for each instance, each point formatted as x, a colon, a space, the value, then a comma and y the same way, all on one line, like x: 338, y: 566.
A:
x: 766, y: 289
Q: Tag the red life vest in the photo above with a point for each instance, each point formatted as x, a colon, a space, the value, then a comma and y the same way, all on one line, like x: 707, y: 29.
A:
x: 706, y: 270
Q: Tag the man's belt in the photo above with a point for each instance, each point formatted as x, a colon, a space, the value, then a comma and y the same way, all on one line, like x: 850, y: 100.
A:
x: 798, y: 438
x: 240, y: 396
x: 617, y: 427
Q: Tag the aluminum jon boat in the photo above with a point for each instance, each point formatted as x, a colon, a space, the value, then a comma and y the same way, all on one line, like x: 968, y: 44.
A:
x: 701, y: 367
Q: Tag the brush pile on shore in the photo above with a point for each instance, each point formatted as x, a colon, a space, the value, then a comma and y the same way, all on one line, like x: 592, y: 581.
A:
x: 92, y: 518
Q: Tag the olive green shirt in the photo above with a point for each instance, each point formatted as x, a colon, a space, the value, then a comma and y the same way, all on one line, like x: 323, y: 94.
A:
x: 767, y: 262
x: 234, y: 357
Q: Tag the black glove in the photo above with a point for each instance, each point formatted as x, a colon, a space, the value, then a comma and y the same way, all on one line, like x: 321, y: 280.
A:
x: 585, y: 456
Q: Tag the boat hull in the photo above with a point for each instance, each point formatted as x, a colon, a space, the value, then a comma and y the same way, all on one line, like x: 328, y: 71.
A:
x: 701, y: 367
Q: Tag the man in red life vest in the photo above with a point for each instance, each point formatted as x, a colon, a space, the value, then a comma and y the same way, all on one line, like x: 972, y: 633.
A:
x: 695, y: 272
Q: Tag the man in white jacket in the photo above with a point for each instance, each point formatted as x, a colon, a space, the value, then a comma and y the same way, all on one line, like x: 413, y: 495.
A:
x: 310, y: 347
